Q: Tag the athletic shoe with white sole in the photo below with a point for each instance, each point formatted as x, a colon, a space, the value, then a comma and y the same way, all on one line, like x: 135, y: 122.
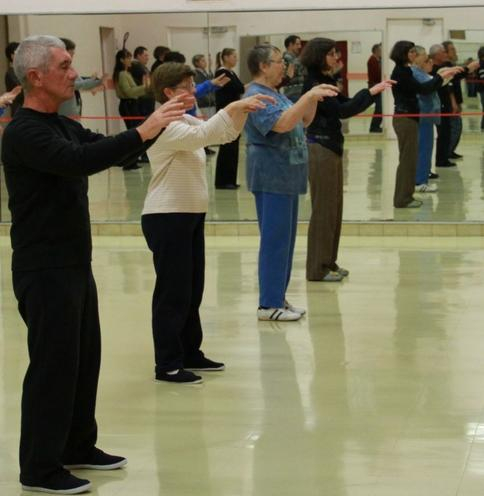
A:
x: 98, y: 461
x: 426, y: 188
x: 279, y: 314
x: 332, y: 276
x: 288, y: 306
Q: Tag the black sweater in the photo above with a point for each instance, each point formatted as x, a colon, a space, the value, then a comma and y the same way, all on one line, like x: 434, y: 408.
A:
x: 229, y: 93
x: 407, y: 87
x: 326, y: 126
x: 47, y: 159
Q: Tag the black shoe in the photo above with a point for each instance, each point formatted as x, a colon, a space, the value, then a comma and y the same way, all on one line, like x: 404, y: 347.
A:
x: 209, y: 151
x: 98, y: 461
x: 433, y: 175
x: 182, y: 377
x: 446, y: 164
x: 228, y: 186
x: 132, y: 167
x: 376, y: 130
x: 61, y: 482
x: 456, y: 156
x: 203, y: 364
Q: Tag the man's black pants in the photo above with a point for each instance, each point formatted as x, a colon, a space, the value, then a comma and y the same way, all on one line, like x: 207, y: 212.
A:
x: 178, y: 245
x: 58, y: 424
x: 442, y: 151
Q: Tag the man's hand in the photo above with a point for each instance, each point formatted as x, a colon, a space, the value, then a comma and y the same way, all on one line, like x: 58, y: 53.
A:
x: 169, y: 112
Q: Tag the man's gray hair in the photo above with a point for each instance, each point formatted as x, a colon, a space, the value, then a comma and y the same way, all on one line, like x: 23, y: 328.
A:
x: 435, y: 49
x: 260, y: 54
x: 34, y: 53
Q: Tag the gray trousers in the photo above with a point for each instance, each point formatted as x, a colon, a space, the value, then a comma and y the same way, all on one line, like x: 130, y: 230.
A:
x: 406, y: 130
x: 326, y: 187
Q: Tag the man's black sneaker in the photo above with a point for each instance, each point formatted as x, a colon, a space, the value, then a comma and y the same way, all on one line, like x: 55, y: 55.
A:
x: 60, y: 483
x: 181, y: 377
x: 98, y: 461
x: 204, y: 364
x: 456, y: 156
x: 446, y: 164
x: 433, y: 175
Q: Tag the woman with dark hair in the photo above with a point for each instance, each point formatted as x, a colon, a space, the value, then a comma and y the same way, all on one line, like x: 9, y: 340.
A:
x: 228, y: 154
x: 406, y: 128
x: 128, y: 93
x: 325, y: 144
x: 277, y: 173
x: 159, y: 54
x: 480, y: 76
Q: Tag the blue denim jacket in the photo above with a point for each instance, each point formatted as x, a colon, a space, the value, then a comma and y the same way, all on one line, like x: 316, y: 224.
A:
x: 428, y: 104
x: 276, y: 162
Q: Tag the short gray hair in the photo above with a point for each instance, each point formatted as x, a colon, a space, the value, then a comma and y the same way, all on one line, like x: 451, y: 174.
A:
x: 34, y: 53
x: 435, y: 49
x: 419, y: 50
x: 260, y: 54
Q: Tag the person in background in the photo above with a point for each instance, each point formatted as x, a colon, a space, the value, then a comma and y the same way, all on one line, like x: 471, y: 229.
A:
x: 294, y: 74
x: 325, y: 144
x: 428, y: 104
x: 11, y: 80
x: 277, y: 173
x: 173, y: 224
x: 480, y: 77
x: 159, y: 55
x: 47, y: 160
x: 177, y: 57
x: 73, y: 106
x: 128, y: 93
x: 228, y: 155
x: 140, y: 72
x: 374, y: 77
x: 7, y: 99
x: 405, y: 93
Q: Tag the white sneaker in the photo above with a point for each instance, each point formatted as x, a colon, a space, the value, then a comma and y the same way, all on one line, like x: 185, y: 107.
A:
x: 279, y: 314
x: 426, y: 188
x: 288, y: 306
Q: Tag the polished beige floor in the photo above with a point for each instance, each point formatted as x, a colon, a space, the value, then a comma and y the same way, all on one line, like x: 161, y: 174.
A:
x: 377, y: 392
x: 369, y: 178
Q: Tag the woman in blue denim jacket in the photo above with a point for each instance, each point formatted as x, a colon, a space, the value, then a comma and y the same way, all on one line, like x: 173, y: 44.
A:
x: 277, y: 173
x: 428, y: 104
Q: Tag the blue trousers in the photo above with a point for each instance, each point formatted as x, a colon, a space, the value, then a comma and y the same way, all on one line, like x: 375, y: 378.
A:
x: 277, y: 217
x: 425, y: 147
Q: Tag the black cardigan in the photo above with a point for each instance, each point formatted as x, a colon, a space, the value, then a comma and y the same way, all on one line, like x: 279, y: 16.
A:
x: 407, y: 87
x: 229, y: 93
x: 326, y: 126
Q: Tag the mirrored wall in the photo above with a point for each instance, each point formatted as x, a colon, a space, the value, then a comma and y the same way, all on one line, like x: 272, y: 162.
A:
x: 370, y: 160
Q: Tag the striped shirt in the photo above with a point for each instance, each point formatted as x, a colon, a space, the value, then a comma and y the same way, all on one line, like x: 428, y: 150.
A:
x: 178, y: 163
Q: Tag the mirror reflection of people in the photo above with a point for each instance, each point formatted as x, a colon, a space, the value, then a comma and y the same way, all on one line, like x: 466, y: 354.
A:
x: 47, y: 160
x: 374, y: 77
x: 159, y: 54
x: 406, y: 128
x: 11, y: 80
x: 228, y: 155
x: 293, y: 79
x: 480, y: 86
x: 173, y: 221
x: 277, y: 174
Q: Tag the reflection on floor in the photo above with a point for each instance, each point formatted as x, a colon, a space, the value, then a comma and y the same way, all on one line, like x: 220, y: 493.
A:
x: 370, y: 162
x: 377, y: 392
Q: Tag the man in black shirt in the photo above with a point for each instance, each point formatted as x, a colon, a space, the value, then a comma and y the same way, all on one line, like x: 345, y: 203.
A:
x: 47, y: 159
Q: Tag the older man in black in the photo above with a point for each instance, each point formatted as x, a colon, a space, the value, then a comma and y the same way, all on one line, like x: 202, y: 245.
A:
x: 47, y: 159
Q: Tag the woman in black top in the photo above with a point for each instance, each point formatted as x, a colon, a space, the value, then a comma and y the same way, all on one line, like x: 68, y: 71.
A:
x: 325, y: 144
x: 406, y: 128
x: 228, y: 155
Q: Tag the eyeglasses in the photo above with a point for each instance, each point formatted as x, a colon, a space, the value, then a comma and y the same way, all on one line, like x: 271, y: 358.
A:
x: 280, y: 61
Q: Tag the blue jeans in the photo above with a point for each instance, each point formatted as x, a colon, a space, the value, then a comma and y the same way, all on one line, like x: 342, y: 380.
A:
x: 425, y: 147
x: 277, y: 217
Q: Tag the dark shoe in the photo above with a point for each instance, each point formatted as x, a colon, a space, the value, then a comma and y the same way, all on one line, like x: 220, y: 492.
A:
x: 204, y: 364
x: 132, y: 167
x: 61, y: 482
x: 99, y: 461
x: 209, y: 151
x: 228, y: 186
x: 456, y: 156
x: 181, y: 377
x: 377, y: 130
x: 446, y: 164
x: 433, y: 175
